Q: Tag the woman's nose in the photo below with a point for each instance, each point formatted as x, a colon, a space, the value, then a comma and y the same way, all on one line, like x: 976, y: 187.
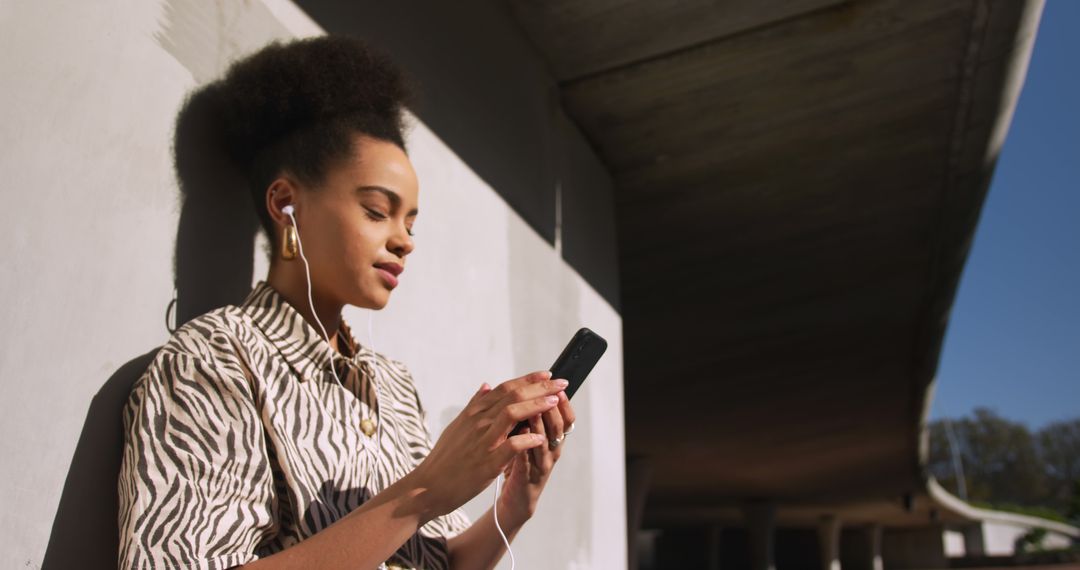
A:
x: 402, y: 243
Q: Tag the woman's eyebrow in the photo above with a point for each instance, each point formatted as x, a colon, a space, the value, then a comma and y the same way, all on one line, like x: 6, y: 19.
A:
x: 395, y: 200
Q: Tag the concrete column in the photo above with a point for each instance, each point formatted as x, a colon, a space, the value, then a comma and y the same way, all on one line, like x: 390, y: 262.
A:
x: 922, y: 547
x: 974, y: 540
x: 860, y: 549
x: 715, y: 545
x: 873, y: 537
x: 761, y: 528
x: 829, y: 541
x: 638, y: 476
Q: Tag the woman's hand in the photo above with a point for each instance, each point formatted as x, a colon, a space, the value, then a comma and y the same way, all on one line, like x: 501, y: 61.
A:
x: 528, y: 473
x: 475, y: 447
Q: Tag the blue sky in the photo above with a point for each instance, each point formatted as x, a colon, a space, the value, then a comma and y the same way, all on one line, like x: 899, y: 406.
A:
x: 1013, y: 340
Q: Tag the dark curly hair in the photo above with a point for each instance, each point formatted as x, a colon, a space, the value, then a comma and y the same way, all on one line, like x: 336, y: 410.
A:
x: 295, y: 107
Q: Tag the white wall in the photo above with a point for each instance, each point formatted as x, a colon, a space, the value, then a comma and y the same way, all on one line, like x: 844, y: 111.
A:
x: 1000, y: 537
x: 89, y: 218
x: 954, y: 543
x: 486, y: 299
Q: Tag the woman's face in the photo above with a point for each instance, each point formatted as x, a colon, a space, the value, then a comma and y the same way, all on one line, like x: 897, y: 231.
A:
x: 355, y: 230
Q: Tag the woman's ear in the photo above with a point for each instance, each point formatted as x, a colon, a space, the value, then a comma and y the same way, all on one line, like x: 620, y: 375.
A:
x: 281, y: 192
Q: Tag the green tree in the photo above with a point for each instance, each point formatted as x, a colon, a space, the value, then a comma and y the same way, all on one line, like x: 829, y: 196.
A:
x: 1072, y: 511
x: 1059, y: 448
x: 1007, y: 467
x: 1000, y: 458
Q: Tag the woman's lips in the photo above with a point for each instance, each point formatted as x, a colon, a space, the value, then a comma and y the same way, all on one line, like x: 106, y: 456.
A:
x: 388, y: 277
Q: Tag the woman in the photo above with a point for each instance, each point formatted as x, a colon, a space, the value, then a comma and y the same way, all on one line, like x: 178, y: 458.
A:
x: 262, y: 435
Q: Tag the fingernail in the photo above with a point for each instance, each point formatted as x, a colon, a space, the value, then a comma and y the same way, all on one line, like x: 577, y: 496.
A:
x: 552, y: 399
x: 561, y: 383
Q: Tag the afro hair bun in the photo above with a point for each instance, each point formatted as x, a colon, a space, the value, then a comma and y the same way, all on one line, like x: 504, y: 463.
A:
x: 293, y: 107
x: 288, y: 87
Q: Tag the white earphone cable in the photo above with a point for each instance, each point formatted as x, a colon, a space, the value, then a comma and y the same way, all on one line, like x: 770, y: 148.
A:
x: 375, y: 384
x: 311, y: 302
x: 498, y: 480
x: 374, y: 379
x: 495, y: 515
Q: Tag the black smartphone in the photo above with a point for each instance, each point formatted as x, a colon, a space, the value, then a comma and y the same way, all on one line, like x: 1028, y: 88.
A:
x: 576, y: 362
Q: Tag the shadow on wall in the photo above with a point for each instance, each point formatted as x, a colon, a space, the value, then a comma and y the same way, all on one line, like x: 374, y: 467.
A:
x: 213, y: 267
x: 215, y: 239
x: 84, y: 531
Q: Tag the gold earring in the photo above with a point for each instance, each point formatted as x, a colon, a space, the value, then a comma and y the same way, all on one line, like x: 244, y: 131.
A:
x: 289, y: 243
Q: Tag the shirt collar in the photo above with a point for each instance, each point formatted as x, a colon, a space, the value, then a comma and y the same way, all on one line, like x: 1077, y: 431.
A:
x: 300, y: 343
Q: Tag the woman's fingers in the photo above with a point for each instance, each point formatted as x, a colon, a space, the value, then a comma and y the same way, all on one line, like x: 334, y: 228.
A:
x: 541, y: 456
x: 568, y: 415
x: 484, y: 389
x: 553, y: 423
x: 478, y: 436
x: 557, y: 422
x: 536, y: 425
x: 517, y: 444
x: 535, y: 398
x: 532, y: 385
x: 514, y: 413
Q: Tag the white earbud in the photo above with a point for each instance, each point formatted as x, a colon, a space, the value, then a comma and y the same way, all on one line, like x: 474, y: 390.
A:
x: 288, y: 211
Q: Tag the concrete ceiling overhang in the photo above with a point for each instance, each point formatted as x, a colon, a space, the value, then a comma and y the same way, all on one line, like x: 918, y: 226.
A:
x: 797, y: 186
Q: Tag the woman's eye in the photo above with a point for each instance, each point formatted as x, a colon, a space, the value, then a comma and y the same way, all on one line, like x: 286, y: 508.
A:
x: 378, y: 216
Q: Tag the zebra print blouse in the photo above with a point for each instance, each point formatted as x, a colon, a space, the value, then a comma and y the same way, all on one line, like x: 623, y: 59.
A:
x: 239, y: 442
